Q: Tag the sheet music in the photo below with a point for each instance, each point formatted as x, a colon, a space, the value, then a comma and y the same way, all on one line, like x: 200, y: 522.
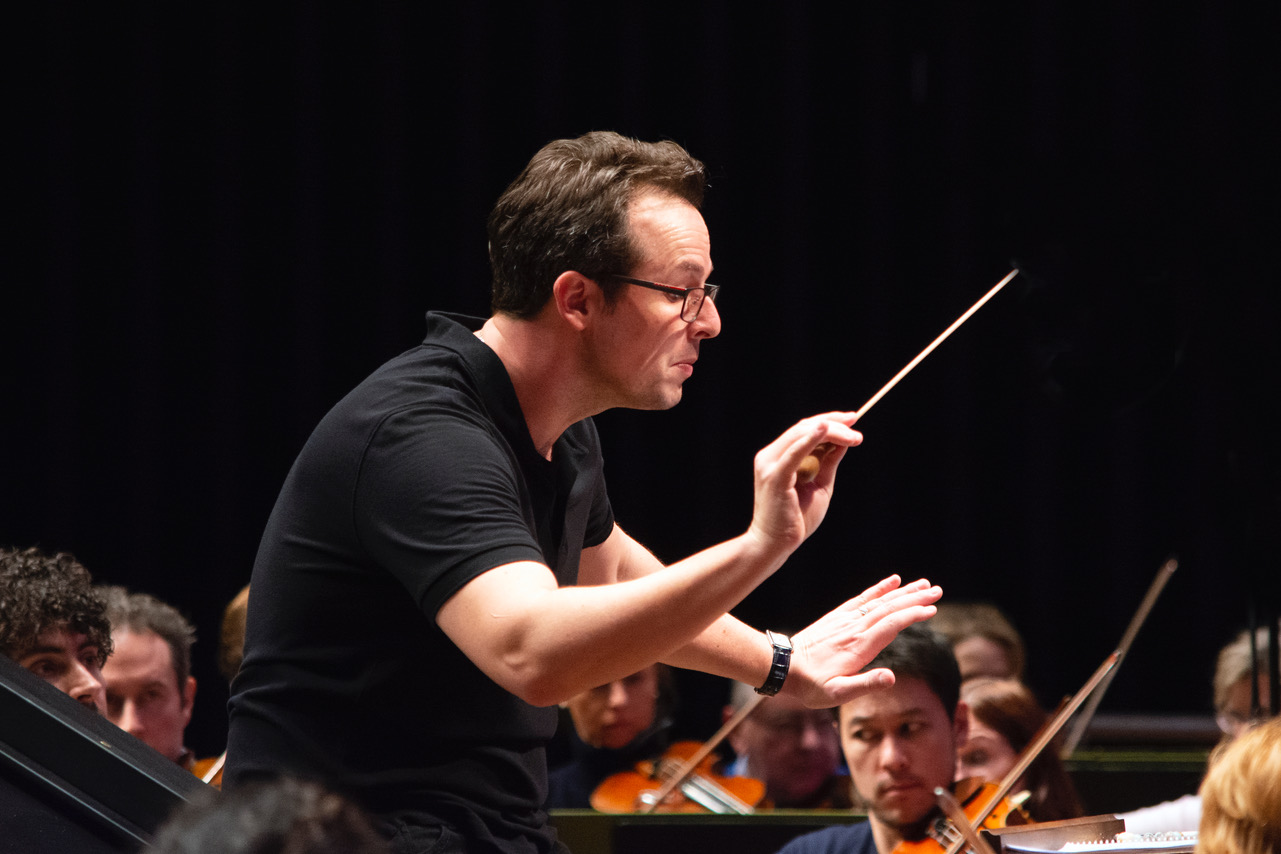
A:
x: 1174, y: 842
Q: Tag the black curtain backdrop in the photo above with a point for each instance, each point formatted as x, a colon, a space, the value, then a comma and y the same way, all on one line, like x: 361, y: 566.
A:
x: 226, y: 215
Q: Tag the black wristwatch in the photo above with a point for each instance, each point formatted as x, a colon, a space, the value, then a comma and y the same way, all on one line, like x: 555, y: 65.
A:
x: 778, y: 669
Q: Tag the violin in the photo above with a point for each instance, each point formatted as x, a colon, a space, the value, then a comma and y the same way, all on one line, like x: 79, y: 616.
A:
x: 981, y: 805
x: 653, y: 786
x: 210, y: 770
x: 987, y: 806
x: 687, y: 784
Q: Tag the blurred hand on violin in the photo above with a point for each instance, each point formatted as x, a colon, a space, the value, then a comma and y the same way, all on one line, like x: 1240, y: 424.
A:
x: 829, y: 653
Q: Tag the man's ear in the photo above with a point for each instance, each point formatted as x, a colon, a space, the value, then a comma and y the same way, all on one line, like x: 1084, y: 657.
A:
x: 189, y: 698
x: 576, y: 298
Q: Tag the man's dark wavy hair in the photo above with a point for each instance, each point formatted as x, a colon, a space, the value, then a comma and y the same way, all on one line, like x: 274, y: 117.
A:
x: 922, y: 653
x: 567, y: 210
x: 282, y: 815
x: 39, y: 592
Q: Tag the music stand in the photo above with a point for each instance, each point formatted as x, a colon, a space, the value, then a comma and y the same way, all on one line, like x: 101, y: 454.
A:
x: 70, y: 780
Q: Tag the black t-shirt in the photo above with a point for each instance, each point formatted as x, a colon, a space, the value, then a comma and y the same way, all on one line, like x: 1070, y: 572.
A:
x: 421, y: 479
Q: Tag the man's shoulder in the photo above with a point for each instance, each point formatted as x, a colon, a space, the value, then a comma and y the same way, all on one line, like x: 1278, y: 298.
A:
x: 837, y: 839
x: 434, y: 380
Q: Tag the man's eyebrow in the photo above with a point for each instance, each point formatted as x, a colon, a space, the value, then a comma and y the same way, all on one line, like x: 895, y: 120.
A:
x: 149, y: 685
x: 692, y: 267
x: 42, y: 649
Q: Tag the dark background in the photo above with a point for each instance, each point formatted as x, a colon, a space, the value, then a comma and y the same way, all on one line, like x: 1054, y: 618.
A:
x: 228, y: 214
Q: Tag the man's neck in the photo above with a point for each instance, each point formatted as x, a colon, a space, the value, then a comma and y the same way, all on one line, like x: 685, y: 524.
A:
x: 887, y: 838
x: 890, y: 837
x: 539, y: 362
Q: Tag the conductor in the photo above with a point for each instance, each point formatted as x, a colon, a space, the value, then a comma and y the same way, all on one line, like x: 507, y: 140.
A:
x: 443, y: 566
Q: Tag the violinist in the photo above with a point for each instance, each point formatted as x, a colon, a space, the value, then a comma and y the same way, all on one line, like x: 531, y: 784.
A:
x: 983, y: 639
x: 900, y: 743
x: 792, y: 749
x: 1004, y: 717
x: 614, y: 727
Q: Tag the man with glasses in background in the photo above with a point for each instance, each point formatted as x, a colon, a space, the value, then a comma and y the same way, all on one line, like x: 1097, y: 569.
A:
x: 1242, y: 699
x: 443, y: 566
x: 793, y: 749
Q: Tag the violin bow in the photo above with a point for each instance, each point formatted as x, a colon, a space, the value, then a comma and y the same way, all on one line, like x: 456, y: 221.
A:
x: 957, y: 815
x: 215, y: 768
x: 682, y: 774
x: 809, y: 466
x: 1077, y: 732
x: 1034, y: 748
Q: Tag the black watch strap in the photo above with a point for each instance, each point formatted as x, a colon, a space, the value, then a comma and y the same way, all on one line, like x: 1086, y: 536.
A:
x: 778, y: 668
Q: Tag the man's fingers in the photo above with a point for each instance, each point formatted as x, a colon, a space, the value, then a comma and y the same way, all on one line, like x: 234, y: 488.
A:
x: 883, y: 630
x: 803, y: 444
x: 803, y: 437
x: 886, y: 595
x: 846, y: 688
x: 919, y: 591
x: 871, y: 594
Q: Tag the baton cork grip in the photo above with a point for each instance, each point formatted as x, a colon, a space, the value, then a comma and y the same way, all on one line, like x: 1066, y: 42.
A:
x: 808, y: 469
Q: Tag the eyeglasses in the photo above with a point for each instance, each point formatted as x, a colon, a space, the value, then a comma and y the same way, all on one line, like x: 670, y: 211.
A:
x: 694, y: 297
x: 795, y: 725
x: 1233, y: 723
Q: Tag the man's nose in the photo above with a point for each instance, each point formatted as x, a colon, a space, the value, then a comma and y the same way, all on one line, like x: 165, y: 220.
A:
x: 708, y: 322
x: 812, y: 735
x: 892, y: 754
x: 87, y: 689
x: 128, y: 719
x: 617, y: 694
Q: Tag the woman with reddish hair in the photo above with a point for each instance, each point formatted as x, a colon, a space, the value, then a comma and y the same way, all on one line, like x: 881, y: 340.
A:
x: 1003, y: 719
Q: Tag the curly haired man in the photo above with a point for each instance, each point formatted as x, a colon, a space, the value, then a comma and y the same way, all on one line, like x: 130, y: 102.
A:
x: 53, y: 624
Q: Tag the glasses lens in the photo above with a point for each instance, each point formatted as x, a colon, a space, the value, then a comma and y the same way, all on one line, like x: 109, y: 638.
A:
x: 693, y: 303
x: 1233, y: 724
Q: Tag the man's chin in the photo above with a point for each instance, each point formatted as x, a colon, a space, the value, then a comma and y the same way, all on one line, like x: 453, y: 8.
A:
x: 911, y: 823
x: 656, y: 402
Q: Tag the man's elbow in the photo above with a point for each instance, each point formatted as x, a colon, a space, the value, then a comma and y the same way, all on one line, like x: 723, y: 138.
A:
x: 536, y: 685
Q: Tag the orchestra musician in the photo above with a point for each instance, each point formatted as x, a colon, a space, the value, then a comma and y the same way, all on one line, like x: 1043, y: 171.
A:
x: 614, y: 727
x: 53, y: 624
x: 443, y: 566
x: 1241, y: 795
x: 1003, y: 719
x: 151, y: 692
x: 900, y: 743
x: 792, y: 749
x: 1233, y: 673
x: 231, y: 635
x: 983, y: 639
